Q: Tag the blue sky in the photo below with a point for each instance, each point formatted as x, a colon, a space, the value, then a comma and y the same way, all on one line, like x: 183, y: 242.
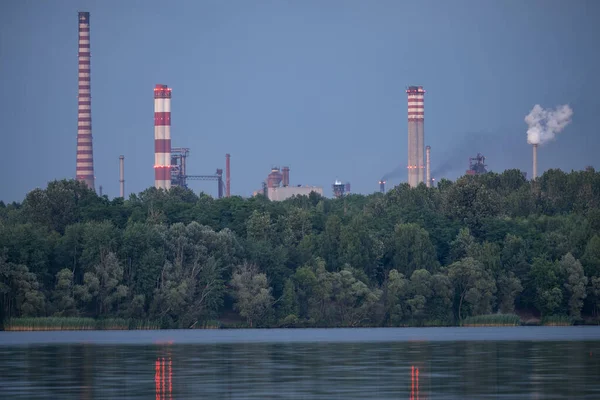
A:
x: 316, y: 85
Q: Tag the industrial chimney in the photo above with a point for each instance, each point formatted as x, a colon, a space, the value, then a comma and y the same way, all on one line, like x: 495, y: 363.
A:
x: 416, y: 136
x: 286, y: 176
x: 122, y: 176
x: 535, y: 146
x: 84, y: 170
x: 162, y: 137
x: 227, y: 175
x: 428, y: 166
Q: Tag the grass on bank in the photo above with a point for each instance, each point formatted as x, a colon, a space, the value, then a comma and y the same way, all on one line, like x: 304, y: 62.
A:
x: 492, y: 320
x: 556, y: 320
x: 76, y: 324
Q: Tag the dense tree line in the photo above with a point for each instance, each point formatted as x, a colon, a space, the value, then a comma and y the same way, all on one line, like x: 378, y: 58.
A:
x: 414, y: 256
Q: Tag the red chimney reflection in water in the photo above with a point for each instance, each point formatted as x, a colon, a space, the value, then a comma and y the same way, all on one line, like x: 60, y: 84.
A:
x: 163, y: 372
x: 414, y: 382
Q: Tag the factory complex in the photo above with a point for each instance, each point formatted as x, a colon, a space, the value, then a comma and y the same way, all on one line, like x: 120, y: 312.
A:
x: 171, y: 166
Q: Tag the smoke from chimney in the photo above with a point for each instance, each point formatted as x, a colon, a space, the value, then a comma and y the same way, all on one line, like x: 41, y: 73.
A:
x: 544, y: 125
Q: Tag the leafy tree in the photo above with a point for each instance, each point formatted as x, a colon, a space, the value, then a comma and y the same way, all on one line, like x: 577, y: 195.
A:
x: 252, y: 293
x: 591, y: 257
x: 413, y: 250
x: 20, y: 290
x: 289, y: 302
x: 509, y: 287
x: 461, y: 246
x: 396, y: 290
x: 59, y: 205
x: 62, y: 297
x: 474, y: 287
x: 352, y: 299
x: 102, y: 286
x: 575, y: 284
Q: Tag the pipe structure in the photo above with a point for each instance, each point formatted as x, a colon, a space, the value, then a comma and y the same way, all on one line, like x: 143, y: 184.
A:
x: 286, y: 176
x: 220, y: 185
x: 415, y: 134
x: 84, y: 170
x: 428, y: 166
x: 162, y: 137
x: 535, y: 146
x: 227, y: 175
x: 122, y: 176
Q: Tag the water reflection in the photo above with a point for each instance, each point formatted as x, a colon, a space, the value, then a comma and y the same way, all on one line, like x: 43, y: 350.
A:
x: 414, y: 382
x: 163, y: 378
x: 401, y: 370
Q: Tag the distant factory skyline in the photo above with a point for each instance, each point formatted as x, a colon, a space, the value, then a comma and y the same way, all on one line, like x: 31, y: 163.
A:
x: 319, y: 87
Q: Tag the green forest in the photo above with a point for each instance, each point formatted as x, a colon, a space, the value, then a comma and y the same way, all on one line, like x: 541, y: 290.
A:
x: 482, y: 245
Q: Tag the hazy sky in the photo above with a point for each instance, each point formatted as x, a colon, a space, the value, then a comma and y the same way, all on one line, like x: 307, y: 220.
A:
x: 316, y: 85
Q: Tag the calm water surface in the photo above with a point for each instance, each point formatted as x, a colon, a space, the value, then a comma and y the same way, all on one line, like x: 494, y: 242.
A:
x: 430, y: 363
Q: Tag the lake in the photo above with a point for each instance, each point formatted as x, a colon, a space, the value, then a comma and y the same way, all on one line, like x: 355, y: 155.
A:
x: 381, y: 363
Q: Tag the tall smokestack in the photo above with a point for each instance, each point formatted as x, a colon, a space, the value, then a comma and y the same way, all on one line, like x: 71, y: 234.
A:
x: 227, y: 176
x: 286, y: 176
x: 544, y: 125
x: 382, y: 186
x: 162, y: 137
x: 85, y: 155
x: 122, y: 176
x: 535, y: 146
x: 416, y: 136
x: 428, y: 166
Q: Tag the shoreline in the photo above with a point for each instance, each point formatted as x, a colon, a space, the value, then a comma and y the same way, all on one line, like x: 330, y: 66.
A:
x: 65, y: 324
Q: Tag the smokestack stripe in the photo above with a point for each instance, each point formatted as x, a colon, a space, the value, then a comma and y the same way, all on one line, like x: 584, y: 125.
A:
x: 162, y: 137
x: 85, y: 157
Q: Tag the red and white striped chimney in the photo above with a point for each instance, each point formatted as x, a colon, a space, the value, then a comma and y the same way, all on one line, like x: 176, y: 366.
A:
x: 162, y: 137
x: 416, y: 137
x: 85, y: 155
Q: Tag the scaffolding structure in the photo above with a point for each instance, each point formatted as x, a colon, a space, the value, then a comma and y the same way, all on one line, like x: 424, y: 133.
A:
x: 179, y: 174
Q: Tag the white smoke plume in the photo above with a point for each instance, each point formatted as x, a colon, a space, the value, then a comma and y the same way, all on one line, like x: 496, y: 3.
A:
x: 544, y: 125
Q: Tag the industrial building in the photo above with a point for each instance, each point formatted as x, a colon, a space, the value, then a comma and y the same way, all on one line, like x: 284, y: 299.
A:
x: 416, y: 137
x: 277, y: 186
x: 84, y: 169
x: 340, y: 189
x: 477, y: 165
